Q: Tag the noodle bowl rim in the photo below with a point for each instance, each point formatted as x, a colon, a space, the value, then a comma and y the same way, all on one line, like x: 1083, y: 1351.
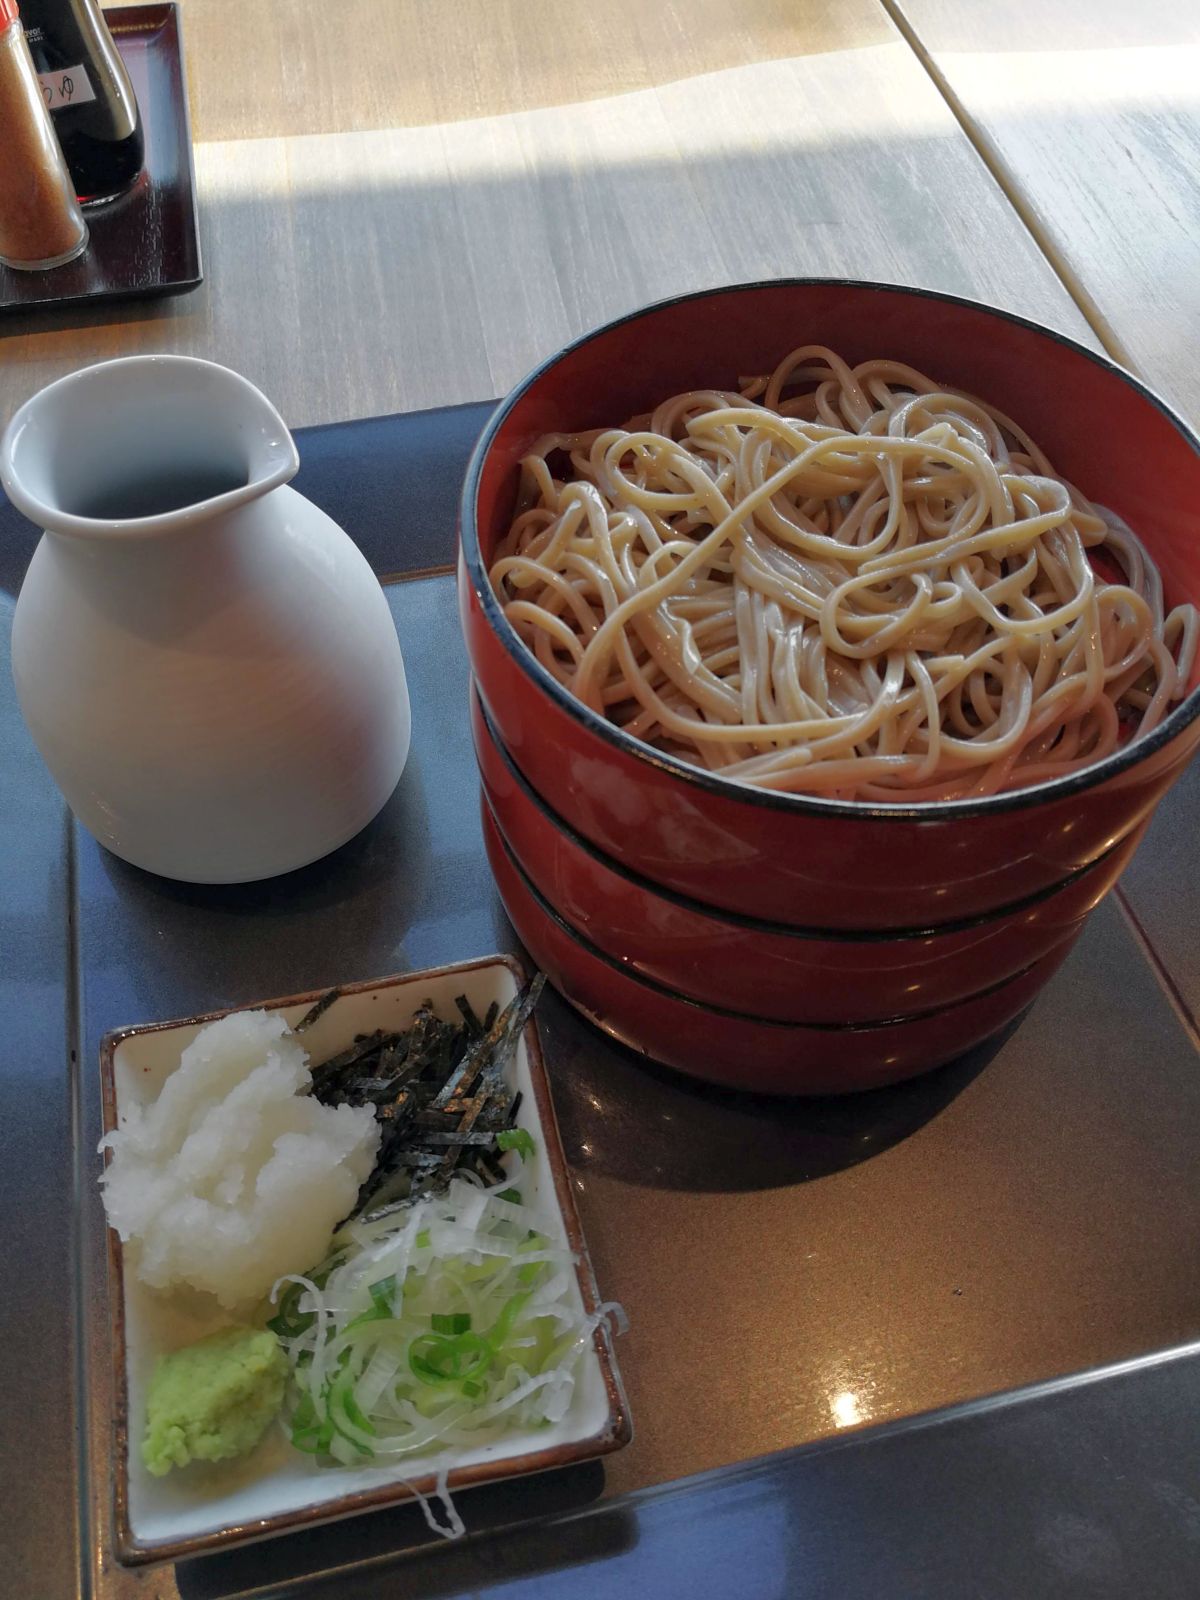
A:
x: 712, y: 782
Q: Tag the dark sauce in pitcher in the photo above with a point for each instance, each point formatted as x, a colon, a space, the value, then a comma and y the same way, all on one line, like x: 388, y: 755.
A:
x: 154, y: 494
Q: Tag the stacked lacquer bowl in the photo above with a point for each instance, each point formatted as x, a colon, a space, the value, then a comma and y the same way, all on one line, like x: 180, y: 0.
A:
x: 788, y: 942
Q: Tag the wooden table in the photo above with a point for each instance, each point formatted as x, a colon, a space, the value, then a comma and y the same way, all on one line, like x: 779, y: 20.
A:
x: 409, y: 204
x: 1089, y: 117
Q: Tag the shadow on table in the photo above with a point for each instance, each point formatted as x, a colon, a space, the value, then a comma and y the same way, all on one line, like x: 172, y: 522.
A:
x: 350, y: 916
x: 341, y: 918
x: 624, y: 1117
x: 323, y: 1559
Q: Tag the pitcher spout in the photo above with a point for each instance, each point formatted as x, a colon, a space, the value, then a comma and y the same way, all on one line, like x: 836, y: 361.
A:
x: 141, y: 446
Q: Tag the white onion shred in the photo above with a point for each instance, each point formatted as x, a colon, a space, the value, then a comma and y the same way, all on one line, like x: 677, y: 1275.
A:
x: 439, y: 1326
x: 454, y: 1527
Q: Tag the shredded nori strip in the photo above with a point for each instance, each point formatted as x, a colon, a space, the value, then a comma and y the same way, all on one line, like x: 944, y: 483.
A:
x: 440, y: 1092
x: 319, y: 1010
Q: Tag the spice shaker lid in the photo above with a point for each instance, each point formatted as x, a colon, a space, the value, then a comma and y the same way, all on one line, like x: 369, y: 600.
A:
x: 8, y: 14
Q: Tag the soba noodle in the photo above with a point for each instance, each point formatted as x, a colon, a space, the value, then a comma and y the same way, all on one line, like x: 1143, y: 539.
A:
x: 840, y: 581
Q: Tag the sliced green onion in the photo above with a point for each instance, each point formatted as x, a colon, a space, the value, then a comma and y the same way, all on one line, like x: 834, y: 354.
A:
x: 518, y: 1139
x: 340, y: 1397
x: 314, y: 1441
x: 289, y: 1322
x: 304, y: 1423
x: 377, y: 1313
x: 513, y: 1196
x: 354, y: 1412
x: 383, y: 1293
x: 434, y: 1358
x: 509, y: 1312
x: 454, y: 1322
x: 532, y: 1270
x: 437, y: 1329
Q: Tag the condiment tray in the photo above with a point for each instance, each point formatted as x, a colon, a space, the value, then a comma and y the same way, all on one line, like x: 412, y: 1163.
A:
x: 276, y: 1489
x: 147, y: 242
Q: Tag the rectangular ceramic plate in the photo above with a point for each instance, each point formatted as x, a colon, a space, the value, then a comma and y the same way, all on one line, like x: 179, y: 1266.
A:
x: 277, y: 1488
x: 147, y: 242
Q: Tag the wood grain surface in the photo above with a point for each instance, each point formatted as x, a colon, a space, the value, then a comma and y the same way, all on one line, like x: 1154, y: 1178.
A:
x: 408, y: 62
x: 1090, y: 117
x: 408, y: 205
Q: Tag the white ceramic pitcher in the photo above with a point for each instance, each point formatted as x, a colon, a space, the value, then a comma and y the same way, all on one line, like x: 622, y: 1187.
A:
x: 205, y: 660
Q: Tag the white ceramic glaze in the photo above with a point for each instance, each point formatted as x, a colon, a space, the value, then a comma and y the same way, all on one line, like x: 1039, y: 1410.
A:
x: 217, y: 688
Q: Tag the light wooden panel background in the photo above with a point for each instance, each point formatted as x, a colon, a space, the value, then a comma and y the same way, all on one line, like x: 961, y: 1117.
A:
x: 409, y: 204
x: 1091, y: 115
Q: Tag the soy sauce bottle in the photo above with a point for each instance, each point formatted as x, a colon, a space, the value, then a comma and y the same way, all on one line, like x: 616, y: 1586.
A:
x: 91, y: 100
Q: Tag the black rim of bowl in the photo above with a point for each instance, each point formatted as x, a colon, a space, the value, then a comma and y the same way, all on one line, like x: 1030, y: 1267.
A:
x: 706, y: 1008
x: 743, y: 919
x: 728, y: 788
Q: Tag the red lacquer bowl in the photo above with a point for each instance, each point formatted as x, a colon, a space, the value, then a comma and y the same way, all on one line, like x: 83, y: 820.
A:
x: 803, y: 859
x: 737, y: 1050
x: 771, y: 969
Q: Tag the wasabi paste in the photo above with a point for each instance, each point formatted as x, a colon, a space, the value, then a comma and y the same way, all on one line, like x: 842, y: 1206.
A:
x: 213, y: 1399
